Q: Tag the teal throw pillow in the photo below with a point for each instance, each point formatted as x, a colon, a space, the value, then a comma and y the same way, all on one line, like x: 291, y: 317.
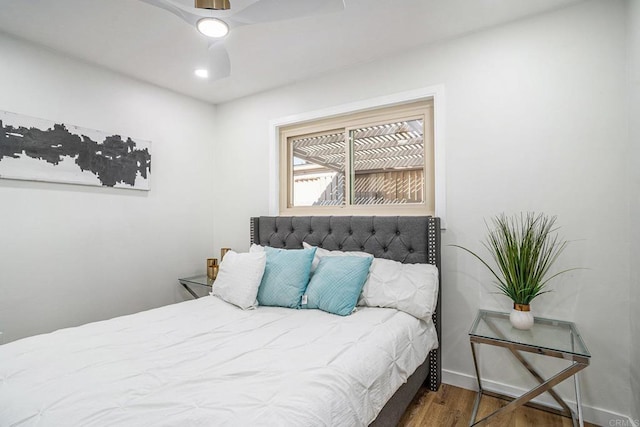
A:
x: 286, y: 276
x: 337, y: 283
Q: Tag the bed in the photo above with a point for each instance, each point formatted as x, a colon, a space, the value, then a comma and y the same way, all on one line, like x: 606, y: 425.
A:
x: 206, y: 362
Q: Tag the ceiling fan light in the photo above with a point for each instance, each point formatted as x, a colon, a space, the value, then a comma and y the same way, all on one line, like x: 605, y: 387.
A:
x: 212, y: 27
x: 213, y: 4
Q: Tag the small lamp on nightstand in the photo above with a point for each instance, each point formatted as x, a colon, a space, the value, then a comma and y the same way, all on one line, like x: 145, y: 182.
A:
x: 212, y: 268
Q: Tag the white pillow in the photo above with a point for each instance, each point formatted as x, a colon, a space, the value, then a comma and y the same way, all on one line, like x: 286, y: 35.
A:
x: 254, y: 249
x: 320, y: 253
x: 239, y: 278
x: 412, y: 288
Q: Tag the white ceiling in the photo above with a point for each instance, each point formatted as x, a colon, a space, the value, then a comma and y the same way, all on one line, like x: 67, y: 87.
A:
x: 151, y: 44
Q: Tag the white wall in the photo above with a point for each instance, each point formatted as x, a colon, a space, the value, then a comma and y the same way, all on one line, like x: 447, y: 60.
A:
x: 634, y: 167
x: 72, y: 254
x: 536, y: 120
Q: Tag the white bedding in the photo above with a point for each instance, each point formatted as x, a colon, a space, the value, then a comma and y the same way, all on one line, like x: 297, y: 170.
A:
x: 205, y: 362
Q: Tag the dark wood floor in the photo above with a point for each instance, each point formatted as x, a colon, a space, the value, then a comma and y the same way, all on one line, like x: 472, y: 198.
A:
x: 452, y: 406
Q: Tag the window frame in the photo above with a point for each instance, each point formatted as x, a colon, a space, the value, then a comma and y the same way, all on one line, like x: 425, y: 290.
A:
x: 277, y: 163
x: 422, y: 109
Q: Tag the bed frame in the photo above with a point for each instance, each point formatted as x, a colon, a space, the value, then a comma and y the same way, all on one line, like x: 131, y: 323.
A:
x: 406, y: 239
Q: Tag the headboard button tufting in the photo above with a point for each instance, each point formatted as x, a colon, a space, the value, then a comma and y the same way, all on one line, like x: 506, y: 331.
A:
x: 340, y: 246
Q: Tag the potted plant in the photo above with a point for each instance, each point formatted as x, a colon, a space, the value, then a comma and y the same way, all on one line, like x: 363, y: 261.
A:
x: 524, y: 247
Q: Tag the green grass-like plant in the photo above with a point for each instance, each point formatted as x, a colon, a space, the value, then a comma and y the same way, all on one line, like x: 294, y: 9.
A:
x: 524, y: 247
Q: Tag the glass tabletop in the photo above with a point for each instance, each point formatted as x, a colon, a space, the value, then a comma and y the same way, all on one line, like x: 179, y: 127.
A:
x: 555, y: 335
x: 201, y: 280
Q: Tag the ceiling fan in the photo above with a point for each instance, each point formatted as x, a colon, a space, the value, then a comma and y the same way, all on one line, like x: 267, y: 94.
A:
x: 215, y: 18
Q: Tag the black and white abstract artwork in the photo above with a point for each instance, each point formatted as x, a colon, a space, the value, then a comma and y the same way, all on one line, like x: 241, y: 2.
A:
x: 41, y: 150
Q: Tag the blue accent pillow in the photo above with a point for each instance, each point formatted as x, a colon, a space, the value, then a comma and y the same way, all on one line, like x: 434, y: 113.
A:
x: 337, y: 283
x: 286, y: 276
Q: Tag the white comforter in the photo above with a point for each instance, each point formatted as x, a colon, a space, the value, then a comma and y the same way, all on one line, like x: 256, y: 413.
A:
x: 207, y: 363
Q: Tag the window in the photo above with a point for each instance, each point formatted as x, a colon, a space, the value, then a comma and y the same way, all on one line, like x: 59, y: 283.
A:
x: 374, y: 162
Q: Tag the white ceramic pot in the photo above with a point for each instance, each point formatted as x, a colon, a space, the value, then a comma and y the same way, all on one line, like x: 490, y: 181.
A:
x: 521, y: 317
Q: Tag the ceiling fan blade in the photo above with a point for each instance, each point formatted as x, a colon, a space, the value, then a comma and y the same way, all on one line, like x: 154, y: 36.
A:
x: 187, y: 14
x: 219, y: 62
x: 279, y: 10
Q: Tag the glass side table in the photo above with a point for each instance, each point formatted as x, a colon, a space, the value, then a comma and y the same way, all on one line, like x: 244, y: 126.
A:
x: 195, y: 282
x: 547, y: 337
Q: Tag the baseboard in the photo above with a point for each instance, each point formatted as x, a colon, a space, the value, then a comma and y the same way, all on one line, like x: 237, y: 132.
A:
x: 599, y: 416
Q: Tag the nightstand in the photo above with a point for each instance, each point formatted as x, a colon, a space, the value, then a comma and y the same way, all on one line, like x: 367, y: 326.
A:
x: 197, y: 282
x: 547, y: 337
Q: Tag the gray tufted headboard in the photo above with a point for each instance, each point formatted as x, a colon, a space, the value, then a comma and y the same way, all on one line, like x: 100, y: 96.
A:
x: 406, y: 239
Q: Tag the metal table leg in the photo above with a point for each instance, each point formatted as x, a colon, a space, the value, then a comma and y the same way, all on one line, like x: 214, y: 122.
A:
x: 190, y: 291
x: 566, y: 411
x: 534, y: 392
x: 476, y: 404
x: 576, y: 381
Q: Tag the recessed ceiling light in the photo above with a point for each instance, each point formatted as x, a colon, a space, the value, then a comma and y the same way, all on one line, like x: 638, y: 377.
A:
x: 202, y: 73
x: 212, y: 27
